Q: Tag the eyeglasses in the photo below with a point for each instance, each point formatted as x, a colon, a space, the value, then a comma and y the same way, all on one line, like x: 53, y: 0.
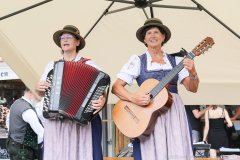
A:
x: 63, y: 37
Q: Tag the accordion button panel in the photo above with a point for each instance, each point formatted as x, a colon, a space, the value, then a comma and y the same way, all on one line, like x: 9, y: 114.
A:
x: 96, y: 95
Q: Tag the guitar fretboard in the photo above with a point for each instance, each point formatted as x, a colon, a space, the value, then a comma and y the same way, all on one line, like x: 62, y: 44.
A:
x: 169, y: 76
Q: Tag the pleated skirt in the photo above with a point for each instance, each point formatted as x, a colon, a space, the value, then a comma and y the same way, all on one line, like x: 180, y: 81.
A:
x: 67, y: 140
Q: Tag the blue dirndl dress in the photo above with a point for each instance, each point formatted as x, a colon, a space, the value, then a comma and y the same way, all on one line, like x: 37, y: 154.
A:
x: 144, y: 75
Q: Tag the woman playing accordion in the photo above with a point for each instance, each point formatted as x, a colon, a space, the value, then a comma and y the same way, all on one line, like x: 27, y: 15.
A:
x: 66, y: 139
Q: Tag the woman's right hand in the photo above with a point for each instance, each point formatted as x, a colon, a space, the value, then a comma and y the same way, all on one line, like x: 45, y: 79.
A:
x: 42, y: 86
x: 141, y: 99
x: 229, y: 125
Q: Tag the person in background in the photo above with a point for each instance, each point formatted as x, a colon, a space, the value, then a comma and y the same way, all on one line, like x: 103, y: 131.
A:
x: 66, y: 139
x: 170, y: 138
x: 214, y: 130
x: 236, y: 115
x: 194, y: 117
x: 25, y: 135
x: 3, y: 115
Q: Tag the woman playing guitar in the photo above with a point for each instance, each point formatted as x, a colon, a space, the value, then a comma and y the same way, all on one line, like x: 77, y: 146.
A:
x: 170, y: 138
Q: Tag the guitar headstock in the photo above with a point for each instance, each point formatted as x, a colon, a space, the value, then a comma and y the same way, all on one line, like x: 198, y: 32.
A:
x: 203, y: 46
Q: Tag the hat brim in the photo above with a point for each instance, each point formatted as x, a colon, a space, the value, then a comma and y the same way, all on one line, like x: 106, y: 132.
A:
x: 164, y: 28
x: 57, y: 34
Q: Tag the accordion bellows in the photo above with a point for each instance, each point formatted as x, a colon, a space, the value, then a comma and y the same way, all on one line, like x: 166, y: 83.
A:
x: 73, y: 86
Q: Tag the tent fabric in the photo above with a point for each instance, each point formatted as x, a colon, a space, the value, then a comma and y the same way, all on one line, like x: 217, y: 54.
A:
x: 26, y: 38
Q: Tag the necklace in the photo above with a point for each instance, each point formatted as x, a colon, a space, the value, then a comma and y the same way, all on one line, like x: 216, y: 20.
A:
x: 69, y: 61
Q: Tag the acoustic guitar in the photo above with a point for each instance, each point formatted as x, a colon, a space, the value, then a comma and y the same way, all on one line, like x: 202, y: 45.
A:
x: 133, y: 120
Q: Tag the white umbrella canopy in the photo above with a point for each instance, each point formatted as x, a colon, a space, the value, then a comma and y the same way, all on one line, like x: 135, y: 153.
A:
x: 26, y: 40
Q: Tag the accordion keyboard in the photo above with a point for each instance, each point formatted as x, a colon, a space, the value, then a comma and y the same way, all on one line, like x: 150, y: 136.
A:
x: 46, y: 101
x: 96, y: 95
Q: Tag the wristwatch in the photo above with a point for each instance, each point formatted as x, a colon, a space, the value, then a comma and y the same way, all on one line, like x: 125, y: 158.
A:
x: 195, y: 77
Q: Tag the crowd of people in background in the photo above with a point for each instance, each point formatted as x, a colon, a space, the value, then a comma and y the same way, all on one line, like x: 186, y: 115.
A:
x: 213, y: 124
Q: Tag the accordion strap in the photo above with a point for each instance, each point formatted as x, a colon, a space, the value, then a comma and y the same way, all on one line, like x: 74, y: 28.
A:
x: 83, y: 60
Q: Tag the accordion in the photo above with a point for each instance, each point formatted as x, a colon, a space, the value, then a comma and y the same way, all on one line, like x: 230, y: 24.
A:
x: 73, y: 86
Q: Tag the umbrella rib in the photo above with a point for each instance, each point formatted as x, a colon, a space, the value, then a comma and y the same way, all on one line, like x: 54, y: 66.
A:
x: 121, y: 9
x: 173, y: 7
x: 214, y: 17
x: 104, y: 13
x: 122, y: 1
x: 144, y: 11
x: 199, y: 7
x: 23, y: 10
x: 153, y: 1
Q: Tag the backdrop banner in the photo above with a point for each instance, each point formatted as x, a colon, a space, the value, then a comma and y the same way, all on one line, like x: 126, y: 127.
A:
x: 6, y: 73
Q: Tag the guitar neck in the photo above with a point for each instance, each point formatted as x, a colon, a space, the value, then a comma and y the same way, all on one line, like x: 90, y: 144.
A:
x: 169, y: 76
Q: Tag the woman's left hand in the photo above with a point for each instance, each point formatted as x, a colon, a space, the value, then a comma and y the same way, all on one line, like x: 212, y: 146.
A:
x: 189, y: 65
x: 98, y: 104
